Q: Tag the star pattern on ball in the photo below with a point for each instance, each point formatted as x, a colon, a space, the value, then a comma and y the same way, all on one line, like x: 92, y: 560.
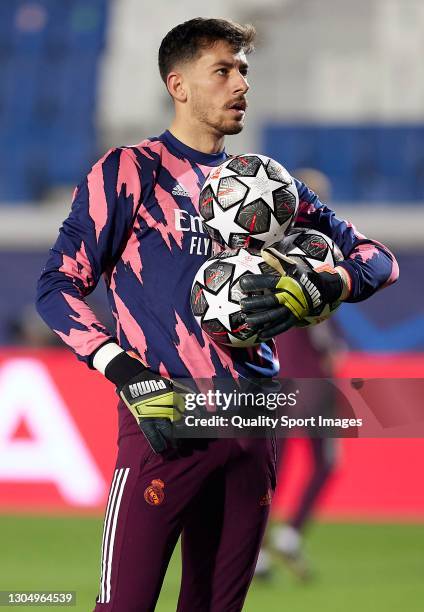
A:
x: 250, y: 263
x: 260, y: 186
x: 220, y: 308
x: 224, y: 223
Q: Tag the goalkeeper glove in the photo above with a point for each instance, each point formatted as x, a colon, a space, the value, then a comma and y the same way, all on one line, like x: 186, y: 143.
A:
x: 291, y: 295
x: 151, y: 398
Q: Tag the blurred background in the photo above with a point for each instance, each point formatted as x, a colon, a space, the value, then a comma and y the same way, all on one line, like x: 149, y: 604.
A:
x: 336, y: 87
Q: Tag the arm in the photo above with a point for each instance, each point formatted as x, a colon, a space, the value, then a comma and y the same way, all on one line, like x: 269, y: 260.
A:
x: 295, y: 293
x: 369, y: 265
x: 89, y: 244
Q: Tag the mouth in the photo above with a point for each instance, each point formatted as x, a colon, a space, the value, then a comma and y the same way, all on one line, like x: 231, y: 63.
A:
x: 238, y: 107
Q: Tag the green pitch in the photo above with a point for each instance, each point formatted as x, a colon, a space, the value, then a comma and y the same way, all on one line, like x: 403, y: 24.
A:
x: 360, y: 567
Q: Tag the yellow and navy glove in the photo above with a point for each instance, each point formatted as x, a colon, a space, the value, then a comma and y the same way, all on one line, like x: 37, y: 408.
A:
x: 291, y: 294
x: 151, y: 398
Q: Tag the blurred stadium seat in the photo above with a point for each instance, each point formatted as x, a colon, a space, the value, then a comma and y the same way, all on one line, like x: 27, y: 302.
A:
x: 49, y: 55
x: 352, y: 107
x: 372, y: 163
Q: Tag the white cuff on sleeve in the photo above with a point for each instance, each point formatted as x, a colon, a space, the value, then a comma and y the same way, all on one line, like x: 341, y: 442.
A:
x: 105, y: 354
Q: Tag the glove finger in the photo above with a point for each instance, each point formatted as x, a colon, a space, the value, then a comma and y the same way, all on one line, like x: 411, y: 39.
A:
x: 274, y: 258
x: 270, y: 332
x: 258, y: 302
x: 258, y: 282
x: 154, y: 433
x: 166, y: 429
x: 276, y: 315
x: 163, y: 406
x: 178, y: 406
x: 294, y: 303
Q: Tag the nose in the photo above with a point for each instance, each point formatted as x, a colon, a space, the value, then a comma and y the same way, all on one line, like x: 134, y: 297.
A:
x: 241, y: 85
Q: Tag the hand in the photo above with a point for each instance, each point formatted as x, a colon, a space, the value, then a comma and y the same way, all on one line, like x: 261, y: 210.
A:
x: 155, y: 404
x: 153, y: 400
x: 292, y: 294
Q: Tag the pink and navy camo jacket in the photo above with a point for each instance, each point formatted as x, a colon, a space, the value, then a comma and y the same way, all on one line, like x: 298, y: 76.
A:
x: 135, y: 221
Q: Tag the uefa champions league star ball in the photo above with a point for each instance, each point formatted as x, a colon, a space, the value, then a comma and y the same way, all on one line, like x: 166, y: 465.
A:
x: 313, y: 249
x: 216, y: 294
x: 248, y: 201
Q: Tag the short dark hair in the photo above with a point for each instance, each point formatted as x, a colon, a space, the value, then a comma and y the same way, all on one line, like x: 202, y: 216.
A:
x: 185, y: 41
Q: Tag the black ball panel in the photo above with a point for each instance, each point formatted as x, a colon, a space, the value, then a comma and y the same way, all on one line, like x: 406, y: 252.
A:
x: 313, y: 246
x: 230, y: 192
x: 206, y: 202
x: 246, y: 241
x: 216, y: 275
x: 214, y: 234
x: 216, y: 330
x: 240, y: 240
x: 284, y: 205
x: 239, y: 328
x: 275, y: 172
x: 255, y: 217
x: 198, y: 301
x: 245, y: 165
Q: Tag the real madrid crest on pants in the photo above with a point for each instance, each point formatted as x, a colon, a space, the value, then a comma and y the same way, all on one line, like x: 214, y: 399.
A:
x: 154, y: 494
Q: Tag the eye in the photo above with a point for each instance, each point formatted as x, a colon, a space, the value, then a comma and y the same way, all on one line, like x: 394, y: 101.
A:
x: 222, y: 71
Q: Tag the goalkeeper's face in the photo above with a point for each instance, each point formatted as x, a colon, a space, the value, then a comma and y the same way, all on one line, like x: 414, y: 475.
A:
x: 216, y: 83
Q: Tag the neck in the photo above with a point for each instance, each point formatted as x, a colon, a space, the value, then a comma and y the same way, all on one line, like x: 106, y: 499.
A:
x: 196, y: 137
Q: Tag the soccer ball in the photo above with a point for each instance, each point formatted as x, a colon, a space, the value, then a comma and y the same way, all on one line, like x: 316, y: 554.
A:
x: 311, y: 248
x: 216, y: 294
x: 248, y: 201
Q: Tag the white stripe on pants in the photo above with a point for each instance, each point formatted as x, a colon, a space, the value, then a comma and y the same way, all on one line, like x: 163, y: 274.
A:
x: 109, y: 531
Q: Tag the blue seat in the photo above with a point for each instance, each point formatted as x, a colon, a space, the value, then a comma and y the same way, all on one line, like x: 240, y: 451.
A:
x: 7, y: 17
x: 87, y: 25
x: 6, y: 81
x: 292, y: 145
x: 14, y: 186
x: 57, y: 41
x: 413, y: 150
x: 71, y: 151
x: 22, y: 85
x: 80, y: 87
x: 335, y: 154
x: 373, y: 163
x: 28, y: 39
x: 48, y: 95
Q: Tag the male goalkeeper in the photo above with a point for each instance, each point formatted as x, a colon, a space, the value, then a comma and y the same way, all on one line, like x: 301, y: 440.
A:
x: 133, y: 220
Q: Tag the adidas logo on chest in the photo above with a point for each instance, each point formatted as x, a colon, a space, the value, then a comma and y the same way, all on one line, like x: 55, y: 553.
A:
x: 179, y: 190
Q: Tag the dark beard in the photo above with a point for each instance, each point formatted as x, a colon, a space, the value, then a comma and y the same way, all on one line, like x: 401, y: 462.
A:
x: 235, y: 129
x: 220, y: 129
x: 223, y: 129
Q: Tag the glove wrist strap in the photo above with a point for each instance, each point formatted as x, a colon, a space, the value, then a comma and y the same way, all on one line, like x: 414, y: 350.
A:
x: 123, y: 368
x: 331, y: 285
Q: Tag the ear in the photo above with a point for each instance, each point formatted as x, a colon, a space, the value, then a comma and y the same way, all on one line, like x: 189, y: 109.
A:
x: 176, y: 86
